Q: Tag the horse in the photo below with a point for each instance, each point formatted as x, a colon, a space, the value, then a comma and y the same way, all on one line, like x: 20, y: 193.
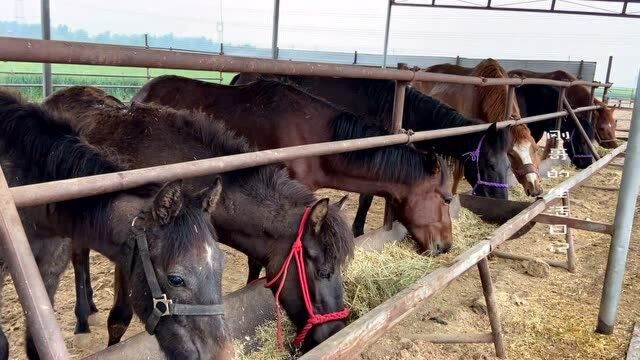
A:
x: 489, y: 103
x: 157, y: 234
x: 373, y: 99
x: 272, y: 114
x: 260, y: 210
x: 543, y: 99
x: 580, y: 96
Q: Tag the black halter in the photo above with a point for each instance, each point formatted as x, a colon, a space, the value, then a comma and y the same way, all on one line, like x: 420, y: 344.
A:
x: 162, y: 306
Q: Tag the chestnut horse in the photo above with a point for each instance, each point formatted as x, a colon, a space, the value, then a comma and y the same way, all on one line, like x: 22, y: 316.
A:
x: 374, y: 100
x: 182, y: 261
x: 260, y: 208
x: 489, y: 103
x: 272, y: 115
x: 580, y: 96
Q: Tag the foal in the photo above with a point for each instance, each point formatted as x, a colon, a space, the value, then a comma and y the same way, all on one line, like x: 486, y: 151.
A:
x: 163, y: 230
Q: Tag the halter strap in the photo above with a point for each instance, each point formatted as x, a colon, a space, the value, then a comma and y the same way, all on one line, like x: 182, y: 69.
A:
x: 297, y: 253
x: 163, y: 306
x: 475, y: 157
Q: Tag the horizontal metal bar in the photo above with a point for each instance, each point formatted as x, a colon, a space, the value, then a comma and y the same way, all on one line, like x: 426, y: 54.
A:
x: 556, y: 11
x: 53, y: 51
x: 555, y: 263
x: 575, y: 223
x: 94, y: 75
x: 43, y: 193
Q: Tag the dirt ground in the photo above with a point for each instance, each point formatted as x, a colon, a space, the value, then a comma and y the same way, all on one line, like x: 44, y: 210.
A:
x: 542, y: 318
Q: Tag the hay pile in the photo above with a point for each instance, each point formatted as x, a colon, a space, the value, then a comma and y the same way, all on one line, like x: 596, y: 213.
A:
x: 268, y: 348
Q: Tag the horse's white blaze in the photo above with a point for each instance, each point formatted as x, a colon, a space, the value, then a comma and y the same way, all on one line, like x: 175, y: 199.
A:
x: 522, y: 150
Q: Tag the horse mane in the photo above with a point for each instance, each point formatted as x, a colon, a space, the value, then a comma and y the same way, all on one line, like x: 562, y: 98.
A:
x: 493, y: 99
x: 397, y: 163
x: 38, y: 147
x: 278, y: 189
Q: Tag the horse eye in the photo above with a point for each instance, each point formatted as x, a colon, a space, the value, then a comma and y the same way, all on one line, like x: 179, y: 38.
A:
x: 324, y: 274
x: 175, y: 280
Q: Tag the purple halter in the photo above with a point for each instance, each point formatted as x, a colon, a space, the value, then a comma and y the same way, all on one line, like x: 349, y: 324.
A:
x: 588, y: 156
x: 475, y: 157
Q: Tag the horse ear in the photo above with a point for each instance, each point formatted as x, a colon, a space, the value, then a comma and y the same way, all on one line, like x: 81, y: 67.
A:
x: 168, y: 202
x: 210, y: 196
x: 342, y: 202
x: 318, y: 214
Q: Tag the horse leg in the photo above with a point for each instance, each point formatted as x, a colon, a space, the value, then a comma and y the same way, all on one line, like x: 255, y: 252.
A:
x: 364, y: 203
x: 53, y: 255
x: 254, y: 270
x: 80, y: 260
x: 92, y: 305
x: 121, y: 312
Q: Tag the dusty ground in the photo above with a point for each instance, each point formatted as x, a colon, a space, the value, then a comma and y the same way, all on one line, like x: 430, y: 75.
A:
x: 549, y: 318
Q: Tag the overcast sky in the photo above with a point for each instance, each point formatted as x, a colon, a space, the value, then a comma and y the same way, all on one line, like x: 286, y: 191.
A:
x: 350, y: 25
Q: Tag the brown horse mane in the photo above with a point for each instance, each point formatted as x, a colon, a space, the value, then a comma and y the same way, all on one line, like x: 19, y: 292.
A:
x: 493, y: 98
x: 397, y: 163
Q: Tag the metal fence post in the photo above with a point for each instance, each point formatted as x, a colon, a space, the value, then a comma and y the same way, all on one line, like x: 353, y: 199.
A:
x: 622, y: 226
x: 274, y: 36
x: 27, y: 281
x: 146, y: 44
x: 396, y: 125
x: 45, y: 20
x: 386, y: 34
x: 605, y: 99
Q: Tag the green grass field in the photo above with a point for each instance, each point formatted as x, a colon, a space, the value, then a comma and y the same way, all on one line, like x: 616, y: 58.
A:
x: 35, y: 93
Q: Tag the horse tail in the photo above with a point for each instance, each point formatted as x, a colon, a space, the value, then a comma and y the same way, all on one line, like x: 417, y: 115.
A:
x: 46, y: 146
x: 493, y: 99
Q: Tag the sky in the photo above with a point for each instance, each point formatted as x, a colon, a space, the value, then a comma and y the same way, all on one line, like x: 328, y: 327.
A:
x: 348, y: 25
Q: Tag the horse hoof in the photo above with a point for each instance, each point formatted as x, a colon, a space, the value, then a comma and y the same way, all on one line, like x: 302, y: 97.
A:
x: 82, y: 341
x: 94, y: 319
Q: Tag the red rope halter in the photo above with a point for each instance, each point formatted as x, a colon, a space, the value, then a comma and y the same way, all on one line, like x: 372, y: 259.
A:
x: 297, y: 253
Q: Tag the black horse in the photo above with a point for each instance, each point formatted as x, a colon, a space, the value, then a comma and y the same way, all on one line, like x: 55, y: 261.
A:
x: 542, y: 99
x: 158, y: 225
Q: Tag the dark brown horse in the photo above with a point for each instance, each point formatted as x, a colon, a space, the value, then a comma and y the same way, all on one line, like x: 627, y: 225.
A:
x: 489, y: 103
x: 271, y: 115
x: 260, y: 208
x: 543, y: 99
x: 186, y: 262
x: 580, y: 96
x: 486, y: 172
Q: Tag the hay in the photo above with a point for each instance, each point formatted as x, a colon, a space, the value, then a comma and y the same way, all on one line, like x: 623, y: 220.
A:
x: 268, y: 348
x: 373, y: 277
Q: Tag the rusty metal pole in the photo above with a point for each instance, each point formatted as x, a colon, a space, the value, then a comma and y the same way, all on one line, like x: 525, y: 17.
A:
x: 511, y: 95
x: 553, y: 143
x: 584, y: 135
x: 396, y: 125
x: 593, y: 94
x: 492, y: 307
x: 27, y: 281
x: 571, y: 251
